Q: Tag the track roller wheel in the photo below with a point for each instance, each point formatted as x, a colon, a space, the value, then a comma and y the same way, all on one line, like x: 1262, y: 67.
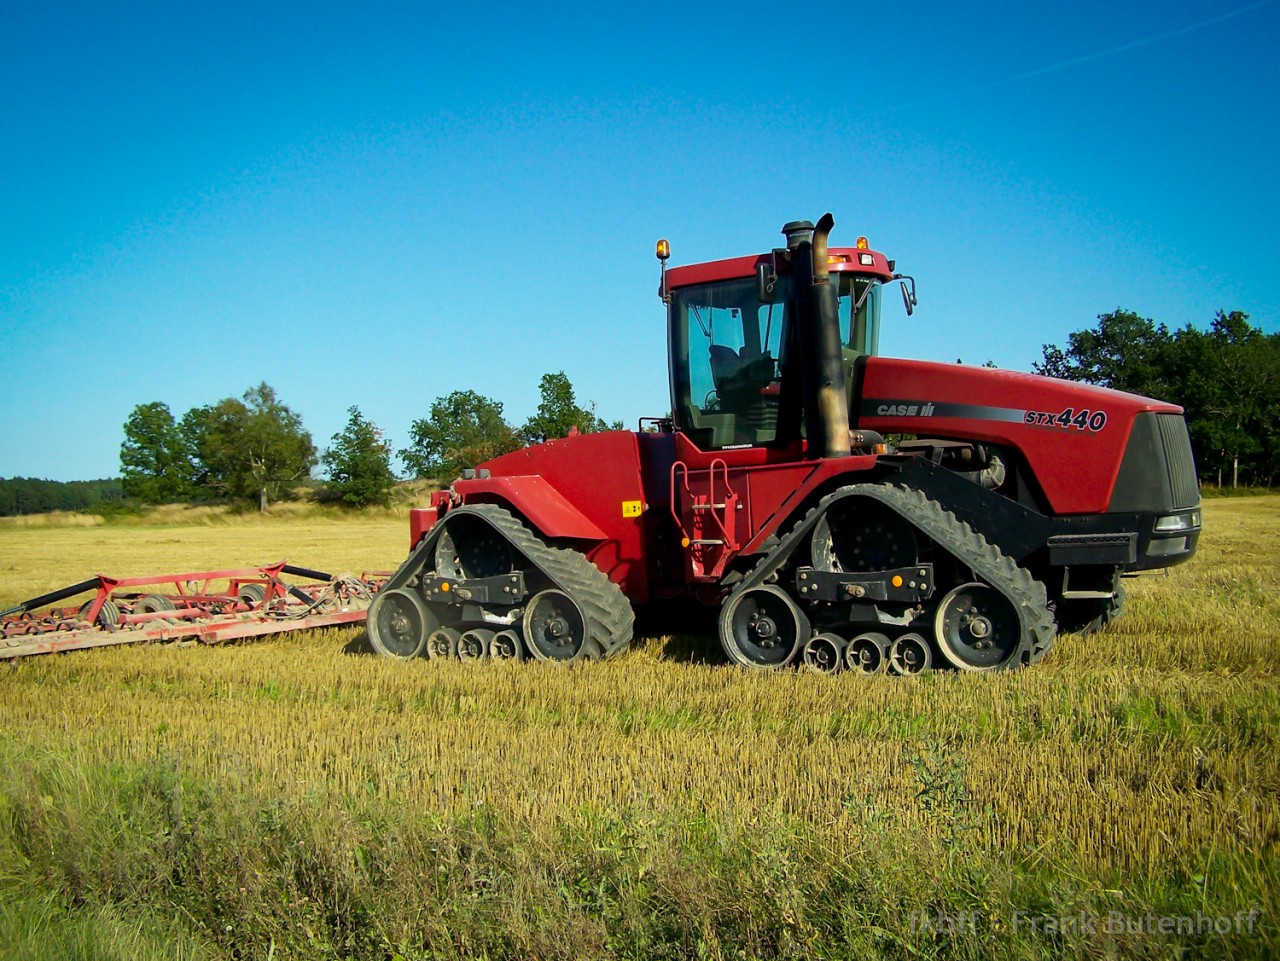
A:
x: 442, y: 643
x: 152, y: 604
x: 867, y: 653
x: 977, y: 629
x: 554, y: 626
x: 473, y: 644
x: 825, y: 653
x: 507, y: 646
x: 910, y: 654
x: 762, y: 627
x: 399, y: 624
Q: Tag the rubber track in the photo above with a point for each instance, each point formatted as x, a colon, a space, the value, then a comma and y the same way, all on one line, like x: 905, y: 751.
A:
x: 955, y: 537
x: 610, y: 618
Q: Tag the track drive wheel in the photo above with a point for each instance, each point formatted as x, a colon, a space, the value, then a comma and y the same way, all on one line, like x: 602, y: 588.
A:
x: 399, y: 624
x: 862, y: 535
x: 762, y: 628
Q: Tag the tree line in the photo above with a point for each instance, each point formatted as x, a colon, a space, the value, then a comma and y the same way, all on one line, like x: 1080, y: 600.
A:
x: 255, y: 448
x: 30, y: 495
x: 1226, y: 378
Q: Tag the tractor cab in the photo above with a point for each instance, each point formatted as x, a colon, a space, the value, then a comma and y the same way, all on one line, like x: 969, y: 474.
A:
x: 732, y: 340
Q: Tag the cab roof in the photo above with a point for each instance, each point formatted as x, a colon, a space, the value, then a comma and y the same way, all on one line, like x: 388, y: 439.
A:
x: 839, y: 260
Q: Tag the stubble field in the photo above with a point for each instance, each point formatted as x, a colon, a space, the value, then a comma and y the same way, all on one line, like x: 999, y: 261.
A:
x: 296, y: 798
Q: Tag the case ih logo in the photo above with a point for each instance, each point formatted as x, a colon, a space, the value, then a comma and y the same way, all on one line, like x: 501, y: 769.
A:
x: 925, y: 409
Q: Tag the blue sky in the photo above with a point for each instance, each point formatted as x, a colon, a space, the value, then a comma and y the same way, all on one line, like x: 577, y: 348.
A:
x: 377, y: 204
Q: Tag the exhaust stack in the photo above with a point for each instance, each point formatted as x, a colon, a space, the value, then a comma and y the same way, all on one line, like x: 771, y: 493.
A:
x: 826, y: 403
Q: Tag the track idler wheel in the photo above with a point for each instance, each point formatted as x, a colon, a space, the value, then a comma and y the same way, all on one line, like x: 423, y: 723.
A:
x: 910, y: 654
x: 867, y: 653
x: 824, y: 653
x: 977, y: 629
x: 399, y: 624
x: 762, y: 627
x: 554, y: 626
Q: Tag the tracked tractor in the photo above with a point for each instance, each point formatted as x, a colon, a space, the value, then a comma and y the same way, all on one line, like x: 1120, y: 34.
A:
x: 838, y: 508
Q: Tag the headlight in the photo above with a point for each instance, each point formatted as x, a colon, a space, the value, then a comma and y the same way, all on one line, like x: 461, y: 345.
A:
x: 1178, y: 522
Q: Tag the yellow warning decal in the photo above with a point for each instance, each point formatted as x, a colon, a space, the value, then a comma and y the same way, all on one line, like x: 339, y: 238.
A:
x: 632, y: 508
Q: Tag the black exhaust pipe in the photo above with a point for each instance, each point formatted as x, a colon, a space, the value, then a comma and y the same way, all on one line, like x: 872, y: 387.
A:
x: 826, y: 404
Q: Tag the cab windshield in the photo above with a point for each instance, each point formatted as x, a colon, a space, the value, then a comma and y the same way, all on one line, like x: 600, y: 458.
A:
x: 727, y: 352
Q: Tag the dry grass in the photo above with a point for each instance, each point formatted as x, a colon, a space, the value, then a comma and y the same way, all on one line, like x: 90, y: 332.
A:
x: 1138, y: 764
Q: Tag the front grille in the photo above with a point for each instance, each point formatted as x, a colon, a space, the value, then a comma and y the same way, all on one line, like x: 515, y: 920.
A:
x: 1176, y: 442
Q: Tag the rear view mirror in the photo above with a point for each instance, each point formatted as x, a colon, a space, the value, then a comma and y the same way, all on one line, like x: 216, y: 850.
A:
x: 908, y: 293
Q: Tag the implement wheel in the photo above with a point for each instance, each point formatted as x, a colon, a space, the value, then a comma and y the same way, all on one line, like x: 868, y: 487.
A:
x: 762, y: 628
x: 108, y: 614
x: 399, y: 624
x: 152, y: 604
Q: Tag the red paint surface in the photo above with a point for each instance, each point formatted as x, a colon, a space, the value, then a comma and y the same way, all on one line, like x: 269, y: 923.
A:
x: 1076, y: 468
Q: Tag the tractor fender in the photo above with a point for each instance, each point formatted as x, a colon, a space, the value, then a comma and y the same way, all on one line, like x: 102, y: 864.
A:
x: 530, y: 496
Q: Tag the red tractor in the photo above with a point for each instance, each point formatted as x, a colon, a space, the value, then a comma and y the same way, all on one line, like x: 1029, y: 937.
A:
x: 1007, y: 514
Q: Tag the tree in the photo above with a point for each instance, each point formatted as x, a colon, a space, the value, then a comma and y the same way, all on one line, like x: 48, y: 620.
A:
x: 462, y: 430
x: 558, y: 412
x: 154, y: 460
x: 1229, y: 380
x: 1226, y: 379
x: 359, y: 463
x: 248, y: 449
x: 1124, y: 351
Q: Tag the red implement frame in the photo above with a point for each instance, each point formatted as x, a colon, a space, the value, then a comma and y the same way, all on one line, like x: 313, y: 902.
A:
x: 209, y: 606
